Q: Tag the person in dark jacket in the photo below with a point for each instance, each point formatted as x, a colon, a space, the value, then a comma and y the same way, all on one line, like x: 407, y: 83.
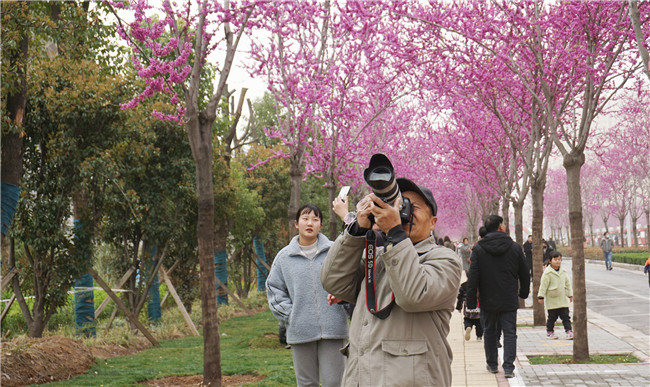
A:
x: 471, y: 317
x: 551, y: 244
x: 499, y: 273
x: 528, y: 251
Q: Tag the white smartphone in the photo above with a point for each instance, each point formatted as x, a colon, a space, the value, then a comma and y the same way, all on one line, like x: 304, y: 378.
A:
x: 344, y: 191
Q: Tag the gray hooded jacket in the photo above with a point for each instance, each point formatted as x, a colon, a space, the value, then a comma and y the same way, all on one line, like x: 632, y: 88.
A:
x: 296, y: 295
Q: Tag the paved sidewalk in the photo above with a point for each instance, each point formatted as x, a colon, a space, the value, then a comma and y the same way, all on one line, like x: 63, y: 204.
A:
x: 468, y: 366
x: 606, y: 336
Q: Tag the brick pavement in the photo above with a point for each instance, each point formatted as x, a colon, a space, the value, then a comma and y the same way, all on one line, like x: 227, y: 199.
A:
x: 606, y: 336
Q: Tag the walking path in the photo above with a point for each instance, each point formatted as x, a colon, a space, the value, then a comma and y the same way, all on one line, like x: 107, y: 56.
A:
x: 606, y: 336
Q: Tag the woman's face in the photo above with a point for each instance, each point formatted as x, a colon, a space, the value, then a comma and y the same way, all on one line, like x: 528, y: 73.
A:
x: 308, y: 226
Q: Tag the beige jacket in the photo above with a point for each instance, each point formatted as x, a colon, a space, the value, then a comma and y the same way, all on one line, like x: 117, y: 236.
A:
x: 555, y: 288
x: 409, y: 348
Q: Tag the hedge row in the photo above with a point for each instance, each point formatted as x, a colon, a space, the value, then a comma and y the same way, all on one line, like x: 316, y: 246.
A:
x: 632, y: 255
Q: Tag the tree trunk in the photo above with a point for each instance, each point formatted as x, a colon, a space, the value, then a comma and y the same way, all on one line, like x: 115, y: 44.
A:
x: 38, y: 323
x: 591, y: 233
x: 262, y: 271
x: 621, y: 236
x: 15, y: 284
x: 519, y: 221
x: 37, y: 326
x: 202, y: 152
x: 295, y: 176
x: 537, y: 194
x: 493, y: 208
x: 333, y: 224
x: 605, y: 219
x: 518, y: 206
x: 505, y: 210
x: 634, y: 236
x: 635, y: 19
x: 12, y: 141
x: 567, y: 233
x: 573, y: 163
x: 647, y: 230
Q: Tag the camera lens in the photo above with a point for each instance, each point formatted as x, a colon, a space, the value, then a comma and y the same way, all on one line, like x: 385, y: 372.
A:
x: 382, y: 182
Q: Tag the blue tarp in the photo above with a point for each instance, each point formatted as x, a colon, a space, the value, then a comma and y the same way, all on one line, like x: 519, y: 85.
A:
x: 153, y: 296
x: 10, y: 194
x: 221, y: 271
x: 84, y: 300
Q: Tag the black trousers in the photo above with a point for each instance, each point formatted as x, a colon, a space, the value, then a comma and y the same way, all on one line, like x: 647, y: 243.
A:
x: 507, y: 321
x: 563, y: 314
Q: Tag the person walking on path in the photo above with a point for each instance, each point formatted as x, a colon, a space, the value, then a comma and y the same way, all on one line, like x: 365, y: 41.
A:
x: 607, y: 245
x: 404, y: 295
x: 555, y: 290
x: 528, y: 251
x: 471, y: 317
x: 498, y: 273
x: 465, y: 252
x: 646, y: 269
x: 315, y: 330
x: 551, y: 243
x: 449, y: 244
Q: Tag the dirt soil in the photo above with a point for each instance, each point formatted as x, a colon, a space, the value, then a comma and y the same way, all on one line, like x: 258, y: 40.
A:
x: 197, y: 380
x: 41, y: 360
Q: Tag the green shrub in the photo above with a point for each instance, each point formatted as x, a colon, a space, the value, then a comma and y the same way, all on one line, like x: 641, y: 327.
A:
x: 632, y: 255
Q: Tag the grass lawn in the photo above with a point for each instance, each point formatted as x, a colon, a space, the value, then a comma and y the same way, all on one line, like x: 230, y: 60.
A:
x: 594, y: 359
x: 245, y: 349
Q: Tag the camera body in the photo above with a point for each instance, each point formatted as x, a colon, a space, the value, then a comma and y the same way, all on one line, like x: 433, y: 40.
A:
x: 380, y: 176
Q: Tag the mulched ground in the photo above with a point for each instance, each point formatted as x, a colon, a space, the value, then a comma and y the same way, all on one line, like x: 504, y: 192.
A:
x: 197, y: 380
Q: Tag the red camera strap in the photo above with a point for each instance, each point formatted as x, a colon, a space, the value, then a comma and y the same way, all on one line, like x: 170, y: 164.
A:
x: 370, y: 265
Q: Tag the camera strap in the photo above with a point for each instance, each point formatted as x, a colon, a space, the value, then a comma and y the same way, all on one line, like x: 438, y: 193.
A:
x: 370, y: 265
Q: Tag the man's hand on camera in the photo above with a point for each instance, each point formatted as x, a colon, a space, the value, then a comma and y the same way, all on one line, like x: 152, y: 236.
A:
x: 386, y: 216
x: 363, y: 210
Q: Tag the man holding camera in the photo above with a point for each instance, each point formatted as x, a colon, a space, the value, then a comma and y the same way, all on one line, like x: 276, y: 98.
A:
x: 404, y: 298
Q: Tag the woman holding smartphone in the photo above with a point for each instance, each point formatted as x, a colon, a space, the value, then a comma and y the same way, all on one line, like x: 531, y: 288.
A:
x: 315, y: 330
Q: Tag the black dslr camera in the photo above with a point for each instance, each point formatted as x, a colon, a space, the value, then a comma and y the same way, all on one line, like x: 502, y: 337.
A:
x: 380, y: 176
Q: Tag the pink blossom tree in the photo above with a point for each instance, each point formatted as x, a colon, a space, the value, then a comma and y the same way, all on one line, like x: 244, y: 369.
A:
x: 572, y: 58
x: 635, y: 118
x: 171, y: 45
x: 556, y: 213
x: 641, y: 33
x: 592, y: 193
x: 333, y: 81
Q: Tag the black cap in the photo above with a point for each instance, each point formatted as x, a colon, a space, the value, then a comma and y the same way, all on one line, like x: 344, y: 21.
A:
x: 406, y: 185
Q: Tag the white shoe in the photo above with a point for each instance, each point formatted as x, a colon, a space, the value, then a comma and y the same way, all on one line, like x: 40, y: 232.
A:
x: 468, y: 332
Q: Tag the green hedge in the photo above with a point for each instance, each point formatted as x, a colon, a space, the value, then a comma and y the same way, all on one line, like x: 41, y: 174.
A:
x: 632, y: 255
x: 633, y: 258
